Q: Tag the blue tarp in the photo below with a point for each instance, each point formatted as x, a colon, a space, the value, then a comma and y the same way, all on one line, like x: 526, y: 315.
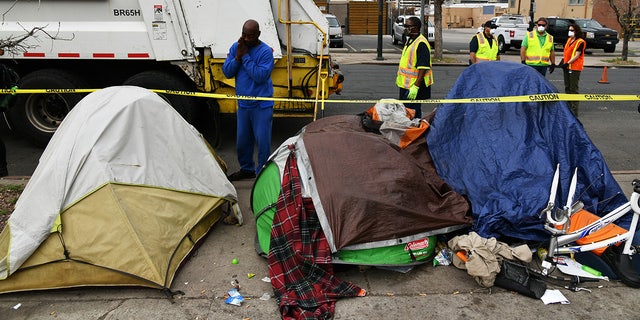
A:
x: 502, y: 156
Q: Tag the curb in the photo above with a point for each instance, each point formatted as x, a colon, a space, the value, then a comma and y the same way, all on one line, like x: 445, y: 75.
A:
x: 14, y: 180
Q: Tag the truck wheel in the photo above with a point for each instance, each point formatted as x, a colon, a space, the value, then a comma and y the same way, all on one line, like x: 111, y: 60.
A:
x: 185, y: 105
x: 502, y: 47
x: 215, y: 118
x: 37, y: 116
x: 393, y: 37
x: 207, y: 119
x: 610, y: 49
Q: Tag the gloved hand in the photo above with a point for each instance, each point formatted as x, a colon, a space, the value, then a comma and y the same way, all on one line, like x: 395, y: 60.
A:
x: 562, y: 64
x: 552, y: 67
x: 413, y: 92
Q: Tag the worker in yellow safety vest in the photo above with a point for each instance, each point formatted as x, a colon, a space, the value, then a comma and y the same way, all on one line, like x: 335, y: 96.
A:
x: 415, y: 76
x: 483, y: 45
x: 537, y: 49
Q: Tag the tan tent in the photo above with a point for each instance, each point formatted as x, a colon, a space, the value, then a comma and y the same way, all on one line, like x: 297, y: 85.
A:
x: 121, y: 195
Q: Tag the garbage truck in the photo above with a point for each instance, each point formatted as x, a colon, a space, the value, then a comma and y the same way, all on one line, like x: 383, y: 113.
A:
x: 175, y: 46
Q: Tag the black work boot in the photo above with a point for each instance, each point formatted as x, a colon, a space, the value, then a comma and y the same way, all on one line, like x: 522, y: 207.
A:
x: 241, y: 175
x: 622, y: 265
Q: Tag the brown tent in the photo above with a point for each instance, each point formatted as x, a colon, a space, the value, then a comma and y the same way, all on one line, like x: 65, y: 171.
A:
x: 368, y: 192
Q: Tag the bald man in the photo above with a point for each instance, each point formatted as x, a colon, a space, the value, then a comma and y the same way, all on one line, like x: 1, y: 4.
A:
x: 250, y: 61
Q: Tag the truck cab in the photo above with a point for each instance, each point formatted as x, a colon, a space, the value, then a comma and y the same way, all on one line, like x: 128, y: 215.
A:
x: 511, y: 31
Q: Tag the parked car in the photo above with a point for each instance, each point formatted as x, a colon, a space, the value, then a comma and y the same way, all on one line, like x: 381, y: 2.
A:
x: 397, y: 31
x: 596, y: 35
x: 335, y: 31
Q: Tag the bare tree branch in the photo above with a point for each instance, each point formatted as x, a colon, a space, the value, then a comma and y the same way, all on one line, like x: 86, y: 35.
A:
x: 15, y: 45
x: 628, y: 14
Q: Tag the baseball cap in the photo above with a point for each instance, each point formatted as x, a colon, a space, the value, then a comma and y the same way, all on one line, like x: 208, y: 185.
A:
x: 490, y: 24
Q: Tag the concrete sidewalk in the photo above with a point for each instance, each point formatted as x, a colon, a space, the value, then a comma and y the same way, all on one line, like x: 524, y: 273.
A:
x: 426, y: 292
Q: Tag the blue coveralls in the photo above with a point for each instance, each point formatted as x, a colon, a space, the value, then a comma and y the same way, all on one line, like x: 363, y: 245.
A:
x: 253, y: 78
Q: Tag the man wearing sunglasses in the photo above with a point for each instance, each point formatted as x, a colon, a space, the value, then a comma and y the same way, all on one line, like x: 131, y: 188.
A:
x: 415, y: 76
x: 537, y: 49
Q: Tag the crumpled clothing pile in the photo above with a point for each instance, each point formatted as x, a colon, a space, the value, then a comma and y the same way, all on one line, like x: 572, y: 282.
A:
x: 485, y: 256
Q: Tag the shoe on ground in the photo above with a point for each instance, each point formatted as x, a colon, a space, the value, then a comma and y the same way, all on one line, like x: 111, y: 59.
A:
x: 230, y: 220
x: 622, y: 265
x: 241, y: 175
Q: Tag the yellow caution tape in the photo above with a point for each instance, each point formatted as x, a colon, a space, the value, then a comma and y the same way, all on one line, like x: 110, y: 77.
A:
x: 524, y: 98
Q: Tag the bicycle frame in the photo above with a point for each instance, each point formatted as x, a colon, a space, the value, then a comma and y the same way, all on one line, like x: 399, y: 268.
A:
x: 560, y: 240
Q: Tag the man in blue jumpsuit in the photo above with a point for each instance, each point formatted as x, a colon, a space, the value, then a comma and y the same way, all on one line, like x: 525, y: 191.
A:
x: 250, y: 61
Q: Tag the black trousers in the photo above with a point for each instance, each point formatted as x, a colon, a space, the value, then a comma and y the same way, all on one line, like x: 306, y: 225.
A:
x: 571, y: 80
x: 423, y: 94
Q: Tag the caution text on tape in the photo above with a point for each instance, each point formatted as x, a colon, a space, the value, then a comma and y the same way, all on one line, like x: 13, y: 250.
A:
x: 522, y: 98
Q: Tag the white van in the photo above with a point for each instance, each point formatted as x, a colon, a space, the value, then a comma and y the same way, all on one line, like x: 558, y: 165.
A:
x: 335, y: 31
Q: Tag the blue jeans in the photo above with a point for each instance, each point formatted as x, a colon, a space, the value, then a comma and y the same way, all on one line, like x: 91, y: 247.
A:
x: 254, y: 128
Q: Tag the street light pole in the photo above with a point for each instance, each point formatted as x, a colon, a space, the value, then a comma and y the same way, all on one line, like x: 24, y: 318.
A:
x: 422, y: 21
x: 380, y: 6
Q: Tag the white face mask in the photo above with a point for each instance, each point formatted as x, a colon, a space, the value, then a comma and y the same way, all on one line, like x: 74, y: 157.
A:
x: 540, y: 29
x: 571, y: 33
x: 492, y: 31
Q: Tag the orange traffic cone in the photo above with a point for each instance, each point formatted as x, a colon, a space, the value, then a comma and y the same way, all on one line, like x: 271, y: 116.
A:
x: 604, y: 78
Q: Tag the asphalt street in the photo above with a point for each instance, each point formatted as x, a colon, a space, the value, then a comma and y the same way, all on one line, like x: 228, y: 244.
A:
x: 426, y: 292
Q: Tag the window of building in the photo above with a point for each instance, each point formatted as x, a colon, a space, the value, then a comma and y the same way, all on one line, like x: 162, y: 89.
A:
x: 576, y: 2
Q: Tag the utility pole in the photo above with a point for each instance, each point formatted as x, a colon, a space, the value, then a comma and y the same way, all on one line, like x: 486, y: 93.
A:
x: 532, y: 9
x: 380, y: 6
x: 424, y: 30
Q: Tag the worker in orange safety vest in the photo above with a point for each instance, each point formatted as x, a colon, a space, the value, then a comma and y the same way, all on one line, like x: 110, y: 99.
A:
x: 573, y: 62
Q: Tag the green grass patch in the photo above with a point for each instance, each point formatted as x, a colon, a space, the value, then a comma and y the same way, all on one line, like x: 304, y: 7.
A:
x: 447, y: 60
x: 620, y: 62
x: 12, y: 187
x: 9, y: 195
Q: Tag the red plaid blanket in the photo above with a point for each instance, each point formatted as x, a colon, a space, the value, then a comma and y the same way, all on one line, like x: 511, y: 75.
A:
x: 299, y: 256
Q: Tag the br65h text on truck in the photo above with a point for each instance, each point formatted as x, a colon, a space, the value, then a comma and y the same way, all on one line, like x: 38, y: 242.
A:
x: 172, y: 44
